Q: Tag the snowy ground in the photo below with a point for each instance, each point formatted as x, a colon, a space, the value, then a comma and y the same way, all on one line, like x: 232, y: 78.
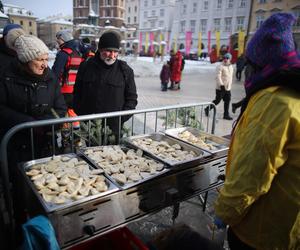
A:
x: 146, y: 67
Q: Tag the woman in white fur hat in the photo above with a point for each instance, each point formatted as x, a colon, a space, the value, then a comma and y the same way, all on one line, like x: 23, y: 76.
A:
x: 28, y: 89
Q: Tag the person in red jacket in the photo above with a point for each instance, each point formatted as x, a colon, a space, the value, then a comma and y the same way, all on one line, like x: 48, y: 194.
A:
x: 175, y: 63
x: 65, y: 67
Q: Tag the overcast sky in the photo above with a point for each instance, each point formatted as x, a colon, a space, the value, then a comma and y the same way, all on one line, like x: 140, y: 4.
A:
x: 44, y: 8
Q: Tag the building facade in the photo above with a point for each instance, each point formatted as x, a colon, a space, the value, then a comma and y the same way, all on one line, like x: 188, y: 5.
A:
x: 97, y: 12
x: 23, y: 17
x: 206, y: 17
x: 262, y: 9
x: 132, y: 17
x: 48, y: 27
x: 156, y: 18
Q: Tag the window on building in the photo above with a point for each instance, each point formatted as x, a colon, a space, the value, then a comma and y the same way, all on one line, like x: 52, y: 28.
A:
x: 95, y: 6
x: 30, y: 23
x: 30, y: 33
x: 107, y: 12
x: 128, y: 20
x: 153, y: 13
x: 145, y: 14
x: 134, y: 34
x: 161, y: 24
x: 243, y: 4
x: 259, y: 20
x: 135, y: 19
x: 153, y: 2
x: 145, y: 24
x: 219, y: 4
x: 129, y: 35
x: 107, y: 2
x: 228, y: 21
x: 205, y: 5
x: 230, y: 4
x: 182, y: 26
x: 162, y: 12
x: 203, y: 25
x: 194, y: 8
x: 152, y: 24
x: 262, y: 1
x: 217, y: 24
x: 135, y: 8
x: 146, y: 3
x: 193, y: 25
x: 184, y: 8
x: 240, y: 23
x: 128, y: 9
x: 21, y: 22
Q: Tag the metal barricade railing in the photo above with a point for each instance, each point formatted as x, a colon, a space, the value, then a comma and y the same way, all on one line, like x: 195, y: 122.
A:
x: 161, y: 118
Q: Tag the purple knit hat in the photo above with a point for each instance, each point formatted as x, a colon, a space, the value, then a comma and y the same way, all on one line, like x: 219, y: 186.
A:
x: 272, y: 41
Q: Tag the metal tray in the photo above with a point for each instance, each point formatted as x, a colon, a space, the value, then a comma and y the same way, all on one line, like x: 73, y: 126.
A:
x: 201, y: 154
x: 50, y: 207
x: 146, y: 176
x: 221, y: 144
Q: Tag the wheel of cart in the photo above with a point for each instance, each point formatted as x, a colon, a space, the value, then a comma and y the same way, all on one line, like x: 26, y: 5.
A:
x: 120, y: 205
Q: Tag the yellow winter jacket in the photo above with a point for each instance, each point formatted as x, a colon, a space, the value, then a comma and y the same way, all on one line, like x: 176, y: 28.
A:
x: 260, y: 198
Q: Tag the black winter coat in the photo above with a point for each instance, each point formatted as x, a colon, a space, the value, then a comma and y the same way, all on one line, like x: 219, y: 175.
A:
x: 24, y: 97
x: 102, y: 88
x: 6, y: 55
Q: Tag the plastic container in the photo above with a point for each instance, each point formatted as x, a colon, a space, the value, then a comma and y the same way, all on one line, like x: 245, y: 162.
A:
x: 121, y: 238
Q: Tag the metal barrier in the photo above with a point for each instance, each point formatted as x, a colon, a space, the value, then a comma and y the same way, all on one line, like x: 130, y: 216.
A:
x: 160, y: 118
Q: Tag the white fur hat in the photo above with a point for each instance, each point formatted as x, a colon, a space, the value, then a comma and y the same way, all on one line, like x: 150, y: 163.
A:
x: 29, y: 47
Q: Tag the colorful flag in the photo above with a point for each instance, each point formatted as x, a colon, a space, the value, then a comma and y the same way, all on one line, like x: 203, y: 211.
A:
x: 146, y: 42
x: 188, y: 41
x: 208, y: 41
x: 241, y: 42
x: 199, y: 43
x: 151, y: 42
x: 218, y: 43
x: 175, y: 44
x: 141, y: 41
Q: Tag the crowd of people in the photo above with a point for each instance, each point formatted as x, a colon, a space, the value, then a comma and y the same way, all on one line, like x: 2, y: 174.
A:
x: 260, y: 199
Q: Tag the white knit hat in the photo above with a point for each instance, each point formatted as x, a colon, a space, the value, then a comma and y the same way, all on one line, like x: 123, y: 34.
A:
x: 29, y: 47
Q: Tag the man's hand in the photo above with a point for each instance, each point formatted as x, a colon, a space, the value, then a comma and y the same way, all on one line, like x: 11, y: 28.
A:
x: 223, y: 89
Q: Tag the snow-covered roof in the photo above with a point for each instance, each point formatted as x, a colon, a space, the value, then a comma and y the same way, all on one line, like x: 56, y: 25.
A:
x: 11, y: 9
x: 62, y: 21
x: 2, y: 15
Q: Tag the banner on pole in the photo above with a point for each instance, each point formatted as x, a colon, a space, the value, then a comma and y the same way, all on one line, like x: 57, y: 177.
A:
x: 241, y: 42
x: 188, y: 41
x: 218, y: 46
x: 141, y: 41
x: 146, y: 42
x: 208, y: 41
x: 199, y: 43
x: 151, y: 42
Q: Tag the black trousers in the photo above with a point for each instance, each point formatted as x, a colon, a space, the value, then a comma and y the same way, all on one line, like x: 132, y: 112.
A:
x: 235, y: 243
x: 238, y: 74
x: 226, y: 97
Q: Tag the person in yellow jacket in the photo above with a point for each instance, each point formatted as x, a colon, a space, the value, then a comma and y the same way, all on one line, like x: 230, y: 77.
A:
x: 260, y: 199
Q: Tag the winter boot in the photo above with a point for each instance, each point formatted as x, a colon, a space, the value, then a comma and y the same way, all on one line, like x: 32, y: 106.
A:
x: 234, y: 107
x: 227, y: 117
x: 164, y: 87
x: 172, y: 86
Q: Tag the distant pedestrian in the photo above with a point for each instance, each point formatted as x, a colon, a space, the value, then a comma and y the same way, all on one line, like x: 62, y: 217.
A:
x: 223, y: 85
x: 165, y: 76
x: 240, y: 65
